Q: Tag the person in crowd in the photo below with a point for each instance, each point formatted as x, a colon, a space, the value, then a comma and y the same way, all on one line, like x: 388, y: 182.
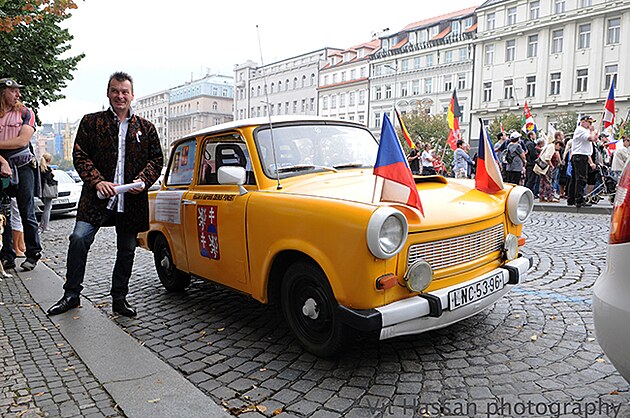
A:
x: 427, y: 159
x: 17, y: 231
x: 46, y: 175
x: 620, y: 157
x: 594, y: 177
x: 515, y: 158
x: 17, y: 126
x: 531, y: 152
x: 461, y: 161
x: 414, y: 158
x: 499, y: 148
x: 112, y: 147
x: 549, y: 154
x: 581, y: 150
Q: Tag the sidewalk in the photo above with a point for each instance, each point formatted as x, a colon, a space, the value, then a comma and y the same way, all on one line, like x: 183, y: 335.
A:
x: 604, y: 207
x: 81, y: 363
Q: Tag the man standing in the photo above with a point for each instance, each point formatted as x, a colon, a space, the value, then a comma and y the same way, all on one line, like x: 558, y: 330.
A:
x: 581, y: 151
x: 112, y: 147
x: 414, y: 158
x: 461, y: 161
x: 531, y: 153
x: 499, y: 148
x: 17, y: 126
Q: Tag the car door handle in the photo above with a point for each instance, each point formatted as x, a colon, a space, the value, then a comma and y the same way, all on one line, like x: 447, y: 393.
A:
x: 188, y: 202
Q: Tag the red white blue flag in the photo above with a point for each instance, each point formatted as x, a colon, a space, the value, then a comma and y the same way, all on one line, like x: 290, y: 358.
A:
x: 609, y: 107
x: 488, y: 177
x: 391, y: 165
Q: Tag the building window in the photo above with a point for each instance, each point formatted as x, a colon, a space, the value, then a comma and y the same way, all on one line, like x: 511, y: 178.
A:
x: 584, y: 36
x: 556, y: 41
x: 352, y: 98
x: 303, y: 105
x: 489, y: 54
x: 530, y: 86
x: 378, y: 94
x: 532, y: 46
x: 362, y: 97
x: 388, y: 91
x: 415, y: 87
x: 404, y: 89
x: 614, y: 31
x: 487, y: 92
x: 342, y: 100
x: 463, y: 54
x: 333, y: 101
x: 508, y: 89
x: 511, y: 15
x: 448, y: 57
x: 534, y: 10
x: 560, y: 6
x: 353, y: 74
x: 461, y: 81
x: 312, y: 104
x: 510, y: 50
x: 468, y: 22
x: 324, y: 104
x: 555, y: 84
x: 428, y: 85
x: 586, y: 3
x: 610, y: 75
x: 455, y: 27
x: 416, y: 62
x: 490, y: 21
x: 377, y: 120
x: 582, y: 80
x: 405, y: 65
x: 448, y: 82
x: 430, y: 60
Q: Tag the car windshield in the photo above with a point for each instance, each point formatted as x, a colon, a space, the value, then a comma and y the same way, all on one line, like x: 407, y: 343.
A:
x: 62, y: 177
x: 312, y: 147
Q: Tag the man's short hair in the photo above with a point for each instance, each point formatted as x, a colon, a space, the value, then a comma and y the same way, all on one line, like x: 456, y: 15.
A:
x: 500, y: 134
x: 460, y: 142
x: 120, y: 76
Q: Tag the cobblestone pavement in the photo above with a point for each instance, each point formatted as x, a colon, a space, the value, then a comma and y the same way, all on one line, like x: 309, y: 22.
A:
x: 533, y: 353
x: 40, y: 373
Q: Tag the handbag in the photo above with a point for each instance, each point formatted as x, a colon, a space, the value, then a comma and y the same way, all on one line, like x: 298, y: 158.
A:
x: 49, y: 191
x: 542, y: 164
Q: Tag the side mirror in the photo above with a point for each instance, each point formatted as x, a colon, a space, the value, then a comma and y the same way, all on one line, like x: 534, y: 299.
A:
x: 235, y: 175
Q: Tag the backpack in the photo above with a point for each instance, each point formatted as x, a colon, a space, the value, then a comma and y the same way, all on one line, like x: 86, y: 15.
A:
x: 509, y: 157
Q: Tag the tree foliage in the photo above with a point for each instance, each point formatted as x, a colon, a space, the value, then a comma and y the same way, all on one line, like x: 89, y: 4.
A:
x: 33, y: 49
x: 427, y: 128
x: 566, y: 122
x: 510, y: 121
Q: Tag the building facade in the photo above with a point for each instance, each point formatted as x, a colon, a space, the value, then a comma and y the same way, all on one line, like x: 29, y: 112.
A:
x: 154, y: 107
x: 287, y: 87
x: 418, y: 68
x: 344, y: 84
x: 558, y: 55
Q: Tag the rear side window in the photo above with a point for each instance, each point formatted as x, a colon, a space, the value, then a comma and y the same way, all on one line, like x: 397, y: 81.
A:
x: 182, y: 165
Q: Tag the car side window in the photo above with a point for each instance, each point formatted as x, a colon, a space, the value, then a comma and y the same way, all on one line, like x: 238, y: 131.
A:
x: 219, y: 154
x: 180, y: 171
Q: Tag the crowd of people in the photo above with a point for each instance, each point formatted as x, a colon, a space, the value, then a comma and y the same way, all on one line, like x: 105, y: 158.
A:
x: 554, y: 168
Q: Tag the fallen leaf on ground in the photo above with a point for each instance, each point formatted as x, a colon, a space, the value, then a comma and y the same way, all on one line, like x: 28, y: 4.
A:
x: 534, y: 337
x: 156, y: 400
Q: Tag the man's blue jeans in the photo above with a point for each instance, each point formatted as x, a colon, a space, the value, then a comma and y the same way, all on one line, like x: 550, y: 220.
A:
x: 26, y: 205
x: 80, y: 242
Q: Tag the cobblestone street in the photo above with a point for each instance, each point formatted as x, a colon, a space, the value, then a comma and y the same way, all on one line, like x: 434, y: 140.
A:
x: 533, y: 349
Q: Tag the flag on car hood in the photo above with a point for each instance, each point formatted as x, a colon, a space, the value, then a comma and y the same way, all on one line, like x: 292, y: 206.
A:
x: 488, y: 177
x: 391, y: 165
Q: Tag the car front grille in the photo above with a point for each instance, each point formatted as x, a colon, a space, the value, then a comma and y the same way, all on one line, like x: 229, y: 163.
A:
x: 453, y: 251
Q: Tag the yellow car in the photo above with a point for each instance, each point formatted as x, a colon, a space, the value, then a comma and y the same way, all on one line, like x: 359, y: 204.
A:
x: 287, y: 210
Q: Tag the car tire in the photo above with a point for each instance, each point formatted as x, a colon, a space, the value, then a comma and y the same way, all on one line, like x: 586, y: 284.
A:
x: 172, y: 279
x: 309, y: 307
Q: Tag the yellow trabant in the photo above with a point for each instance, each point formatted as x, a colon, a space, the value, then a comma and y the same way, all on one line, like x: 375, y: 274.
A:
x: 288, y: 211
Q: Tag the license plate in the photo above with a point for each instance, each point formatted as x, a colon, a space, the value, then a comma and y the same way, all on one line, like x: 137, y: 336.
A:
x: 476, y: 291
x: 61, y: 201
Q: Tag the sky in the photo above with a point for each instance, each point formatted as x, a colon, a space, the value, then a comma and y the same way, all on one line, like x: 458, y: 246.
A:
x: 165, y: 44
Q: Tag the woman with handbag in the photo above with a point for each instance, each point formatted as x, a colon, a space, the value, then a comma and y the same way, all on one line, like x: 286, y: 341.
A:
x: 549, y: 161
x: 49, y: 190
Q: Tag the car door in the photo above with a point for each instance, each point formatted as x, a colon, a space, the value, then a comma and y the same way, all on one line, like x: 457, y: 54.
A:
x: 216, y: 241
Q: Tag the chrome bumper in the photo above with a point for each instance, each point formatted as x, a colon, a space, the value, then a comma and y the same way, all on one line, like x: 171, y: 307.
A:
x: 431, y: 311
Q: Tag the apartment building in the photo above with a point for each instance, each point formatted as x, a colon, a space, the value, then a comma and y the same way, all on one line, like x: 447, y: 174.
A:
x: 154, y: 107
x: 558, y: 55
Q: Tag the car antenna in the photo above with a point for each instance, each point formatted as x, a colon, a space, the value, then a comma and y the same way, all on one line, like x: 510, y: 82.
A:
x: 266, y: 103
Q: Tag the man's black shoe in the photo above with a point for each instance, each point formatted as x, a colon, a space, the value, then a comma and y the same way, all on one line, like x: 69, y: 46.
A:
x: 122, y: 307
x: 64, y: 305
x: 569, y: 203
x: 583, y: 205
x: 8, y: 264
x: 29, y: 264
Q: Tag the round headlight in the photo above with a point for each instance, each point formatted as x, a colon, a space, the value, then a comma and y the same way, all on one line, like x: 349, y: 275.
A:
x: 419, y: 276
x: 510, y: 247
x: 520, y: 204
x: 386, y: 232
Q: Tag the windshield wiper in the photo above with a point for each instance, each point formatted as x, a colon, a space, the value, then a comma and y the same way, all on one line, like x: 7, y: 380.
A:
x: 304, y: 167
x: 351, y: 165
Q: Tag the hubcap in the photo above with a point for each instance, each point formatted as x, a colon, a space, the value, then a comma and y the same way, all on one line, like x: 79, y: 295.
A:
x: 310, y: 308
x: 165, y: 263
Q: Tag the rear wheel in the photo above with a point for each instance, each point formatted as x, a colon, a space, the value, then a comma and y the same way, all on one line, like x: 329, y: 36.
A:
x: 172, y: 279
x: 309, y: 307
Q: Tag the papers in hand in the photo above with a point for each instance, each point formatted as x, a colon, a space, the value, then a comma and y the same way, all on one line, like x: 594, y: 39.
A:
x: 123, y: 188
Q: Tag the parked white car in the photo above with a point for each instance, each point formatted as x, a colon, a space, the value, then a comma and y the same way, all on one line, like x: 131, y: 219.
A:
x: 611, y: 293
x: 69, y: 194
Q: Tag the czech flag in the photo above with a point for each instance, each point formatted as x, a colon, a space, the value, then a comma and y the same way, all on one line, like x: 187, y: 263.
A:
x: 403, y: 128
x: 452, y: 117
x: 609, y: 107
x: 488, y: 177
x: 528, y: 120
x: 391, y: 165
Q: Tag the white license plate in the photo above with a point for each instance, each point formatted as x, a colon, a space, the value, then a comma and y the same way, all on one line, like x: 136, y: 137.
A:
x: 476, y: 291
x: 62, y: 201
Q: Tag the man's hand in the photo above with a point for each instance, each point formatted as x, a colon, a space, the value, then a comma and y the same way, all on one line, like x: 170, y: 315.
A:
x: 136, y: 190
x: 106, y: 188
x: 5, y: 170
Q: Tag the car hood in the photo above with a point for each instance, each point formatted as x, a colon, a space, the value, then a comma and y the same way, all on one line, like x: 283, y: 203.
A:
x: 445, y: 201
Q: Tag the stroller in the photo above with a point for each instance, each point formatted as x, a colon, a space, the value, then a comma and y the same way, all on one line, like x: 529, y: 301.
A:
x: 605, y: 187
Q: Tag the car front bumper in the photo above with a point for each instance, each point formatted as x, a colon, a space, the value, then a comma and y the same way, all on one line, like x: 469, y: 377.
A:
x: 429, y: 311
x: 611, y: 310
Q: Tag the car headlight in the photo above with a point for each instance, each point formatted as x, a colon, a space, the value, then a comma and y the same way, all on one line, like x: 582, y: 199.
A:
x: 510, y: 247
x: 520, y: 204
x: 386, y: 232
x: 419, y: 276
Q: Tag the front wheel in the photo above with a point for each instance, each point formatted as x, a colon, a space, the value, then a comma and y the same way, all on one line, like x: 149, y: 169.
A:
x: 309, y: 307
x: 172, y: 279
